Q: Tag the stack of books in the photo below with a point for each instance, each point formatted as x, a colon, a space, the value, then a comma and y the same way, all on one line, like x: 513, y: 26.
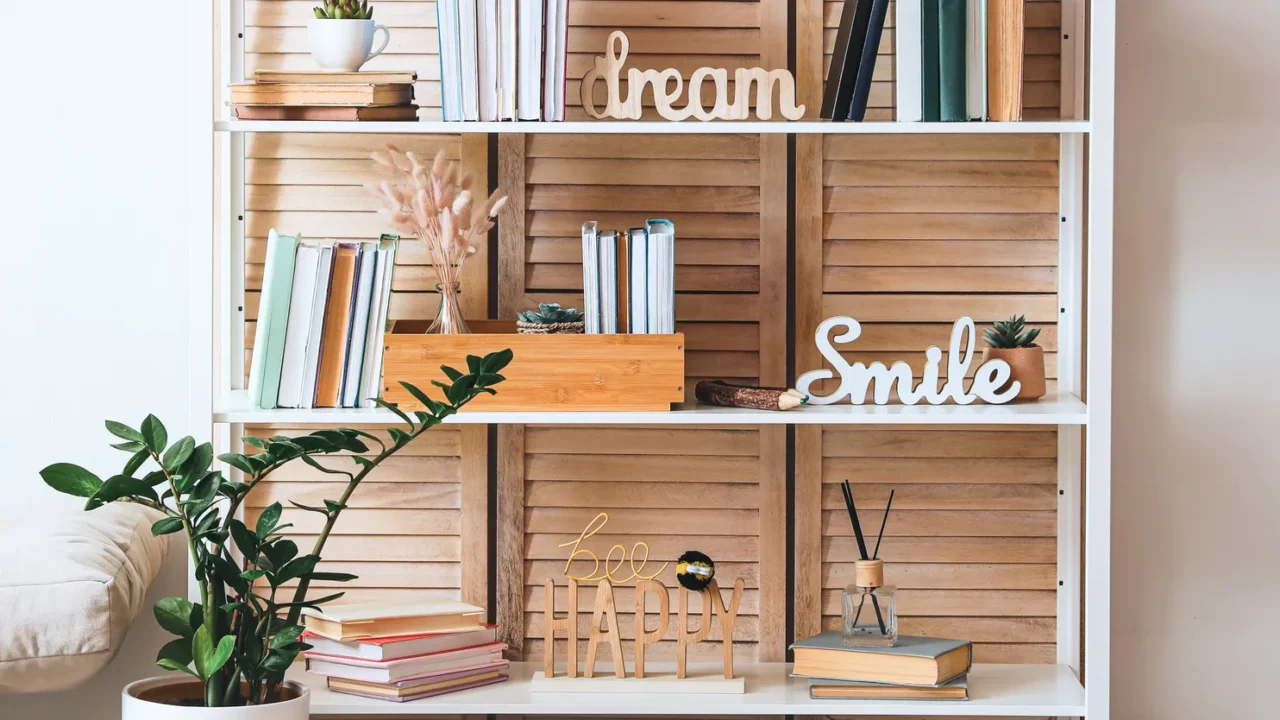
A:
x: 323, y: 311
x: 629, y: 279
x: 956, y: 60
x: 503, y: 59
x: 403, y: 651
x: 915, y: 668
x: 343, y: 96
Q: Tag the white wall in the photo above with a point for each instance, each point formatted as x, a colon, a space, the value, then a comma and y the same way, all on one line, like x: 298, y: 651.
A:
x: 1196, y: 501
x: 93, y: 310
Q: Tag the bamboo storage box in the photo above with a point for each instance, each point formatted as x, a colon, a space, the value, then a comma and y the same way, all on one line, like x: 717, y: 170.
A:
x: 547, y: 372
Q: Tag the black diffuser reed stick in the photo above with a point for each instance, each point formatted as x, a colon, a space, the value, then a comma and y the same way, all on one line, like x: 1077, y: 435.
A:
x: 852, y: 508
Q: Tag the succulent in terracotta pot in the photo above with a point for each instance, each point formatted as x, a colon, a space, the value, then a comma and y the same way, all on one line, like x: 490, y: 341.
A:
x: 1010, y: 340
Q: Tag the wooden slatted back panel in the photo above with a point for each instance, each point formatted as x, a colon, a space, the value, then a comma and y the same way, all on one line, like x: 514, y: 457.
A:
x: 275, y: 38
x: 1042, y: 71
x: 906, y: 234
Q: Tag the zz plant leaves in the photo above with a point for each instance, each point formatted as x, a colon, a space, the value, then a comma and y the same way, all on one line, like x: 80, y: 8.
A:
x: 247, y: 626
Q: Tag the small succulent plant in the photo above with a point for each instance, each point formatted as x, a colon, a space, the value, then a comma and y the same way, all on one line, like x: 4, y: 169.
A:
x: 345, y: 10
x: 1011, y: 333
x: 548, y: 313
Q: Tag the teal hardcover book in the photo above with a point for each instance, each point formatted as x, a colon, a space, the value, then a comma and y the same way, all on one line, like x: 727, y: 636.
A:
x: 273, y: 320
x: 929, y: 61
x: 953, y: 30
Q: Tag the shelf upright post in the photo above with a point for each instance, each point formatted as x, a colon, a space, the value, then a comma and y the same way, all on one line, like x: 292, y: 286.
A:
x: 1097, y: 515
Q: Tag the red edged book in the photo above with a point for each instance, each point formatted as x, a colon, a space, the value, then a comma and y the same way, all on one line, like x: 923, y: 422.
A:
x: 400, y: 646
x: 478, y: 658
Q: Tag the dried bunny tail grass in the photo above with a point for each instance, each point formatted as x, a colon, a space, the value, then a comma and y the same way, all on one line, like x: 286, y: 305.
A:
x: 421, y: 209
x: 414, y: 165
x: 466, y: 182
x: 450, y: 177
x: 437, y: 165
x: 461, y: 203
x: 421, y: 179
x: 448, y: 234
x: 393, y: 195
x: 401, y: 162
x: 380, y: 158
x: 497, y: 206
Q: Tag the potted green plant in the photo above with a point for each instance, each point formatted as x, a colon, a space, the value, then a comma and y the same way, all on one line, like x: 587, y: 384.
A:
x: 1011, y: 341
x: 341, y: 35
x: 549, y: 319
x: 236, y: 642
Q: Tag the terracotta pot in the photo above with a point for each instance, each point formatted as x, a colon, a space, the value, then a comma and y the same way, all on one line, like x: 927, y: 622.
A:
x: 1027, y: 365
x: 156, y: 698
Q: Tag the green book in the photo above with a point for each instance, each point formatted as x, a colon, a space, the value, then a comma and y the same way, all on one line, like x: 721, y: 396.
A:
x: 273, y: 320
x: 953, y: 27
x: 929, y: 111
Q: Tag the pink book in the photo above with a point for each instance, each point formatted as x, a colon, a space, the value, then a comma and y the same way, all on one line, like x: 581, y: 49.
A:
x: 421, y: 695
x: 386, y: 671
x: 400, y: 646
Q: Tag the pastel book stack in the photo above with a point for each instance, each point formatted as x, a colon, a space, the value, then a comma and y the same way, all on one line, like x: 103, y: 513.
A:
x: 914, y: 668
x: 959, y: 60
x: 403, y: 651
x: 333, y: 96
x: 323, y: 310
x: 628, y: 279
x: 502, y: 59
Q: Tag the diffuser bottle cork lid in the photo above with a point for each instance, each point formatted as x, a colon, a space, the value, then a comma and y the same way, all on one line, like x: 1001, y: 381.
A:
x: 868, y: 573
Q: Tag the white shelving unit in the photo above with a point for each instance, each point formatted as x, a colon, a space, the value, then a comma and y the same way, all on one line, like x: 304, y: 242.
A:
x: 1065, y: 689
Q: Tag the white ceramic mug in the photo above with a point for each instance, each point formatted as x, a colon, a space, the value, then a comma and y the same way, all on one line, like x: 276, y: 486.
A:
x: 344, y: 45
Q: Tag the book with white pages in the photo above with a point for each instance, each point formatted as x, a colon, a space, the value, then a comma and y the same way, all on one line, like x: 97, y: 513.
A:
x: 450, y: 73
x: 608, y: 252
x: 507, y: 52
x: 301, y: 305
x: 488, y: 44
x: 469, y: 58
x: 590, y: 278
x: 638, y: 282
x: 273, y: 315
x: 976, y: 60
x: 361, y: 299
x: 315, y: 336
x: 529, y: 68
x: 662, y: 253
x: 907, y: 61
x: 371, y: 373
x: 557, y: 25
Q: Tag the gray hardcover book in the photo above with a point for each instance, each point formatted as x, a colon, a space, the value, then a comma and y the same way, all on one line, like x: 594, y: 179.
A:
x: 957, y: 689
x: 907, y: 646
x: 590, y: 278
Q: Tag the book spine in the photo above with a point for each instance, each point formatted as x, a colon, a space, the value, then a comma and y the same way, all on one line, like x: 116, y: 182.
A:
x: 929, y: 60
x: 1005, y: 37
x: 277, y: 314
x: 952, y: 24
x: 843, y: 75
x: 907, y: 71
x: 867, y: 67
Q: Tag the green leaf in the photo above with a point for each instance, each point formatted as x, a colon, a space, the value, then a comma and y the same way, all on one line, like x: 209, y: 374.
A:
x: 474, y: 364
x: 178, y: 453
x: 313, y: 603
x: 176, y: 655
x: 316, y: 464
x: 283, y: 450
x: 311, y: 443
x: 334, y: 506
x: 333, y: 576
x: 238, y: 461
x: 286, y: 636
x: 309, y: 508
x: 461, y: 390
x: 278, y: 661
x: 280, y: 552
x: 395, y: 409
x: 451, y: 373
x: 257, y: 442
x: 398, y: 436
x: 154, y: 434
x: 200, y: 461
x: 207, y: 658
x: 268, y: 519
x: 71, y: 479
x: 421, y: 397
x: 494, y: 362
x: 489, y: 379
x: 174, y: 615
x: 164, y: 526
x: 297, y: 567
x: 252, y: 575
x: 124, y: 432
x: 129, y: 447
x: 121, y: 486
x: 136, y: 462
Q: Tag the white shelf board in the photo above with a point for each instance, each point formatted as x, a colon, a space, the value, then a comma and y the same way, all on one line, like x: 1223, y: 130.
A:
x: 1050, y: 410
x: 994, y: 690
x: 606, y: 127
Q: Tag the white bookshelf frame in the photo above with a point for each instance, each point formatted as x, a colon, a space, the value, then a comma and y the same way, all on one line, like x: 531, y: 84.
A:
x: 1085, y: 327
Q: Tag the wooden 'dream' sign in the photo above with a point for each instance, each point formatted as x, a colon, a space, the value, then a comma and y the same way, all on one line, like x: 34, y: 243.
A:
x: 604, y: 626
x: 610, y: 70
x: 989, y: 380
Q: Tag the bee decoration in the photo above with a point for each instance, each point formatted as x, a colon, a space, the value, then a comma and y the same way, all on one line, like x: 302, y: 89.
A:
x: 694, y: 570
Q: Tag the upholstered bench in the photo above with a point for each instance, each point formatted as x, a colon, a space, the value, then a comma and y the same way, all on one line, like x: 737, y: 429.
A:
x: 71, y: 583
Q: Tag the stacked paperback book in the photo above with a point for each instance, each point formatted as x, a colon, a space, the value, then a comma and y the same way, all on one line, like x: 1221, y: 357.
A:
x: 956, y: 60
x: 915, y: 668
x: 629, y: 279
x: 502, y: 59
x: 349, y: 96
x: 321, y: 318
x: 403, y: 651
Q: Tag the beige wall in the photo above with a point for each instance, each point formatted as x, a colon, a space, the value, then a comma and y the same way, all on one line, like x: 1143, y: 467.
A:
x: 1196, y: 500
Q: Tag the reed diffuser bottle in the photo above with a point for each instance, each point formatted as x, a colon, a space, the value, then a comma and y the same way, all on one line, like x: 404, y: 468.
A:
x: 869, y: 608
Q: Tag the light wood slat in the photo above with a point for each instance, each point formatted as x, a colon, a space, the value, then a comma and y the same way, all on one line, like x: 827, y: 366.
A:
x: 1014, y: 653
x: 638, y: 495
x: 537, y: 572
x: 672, y: 522
x: 943, y: 496
x: 940, y: 307
x: 296, y: 13
x: 949, y: 523
x: 597, y: 440
x: 392, y: 574
x: 334, y: 146
x: 841, y: 442
x: 545, y: 223
x: 474, y: 533
x: 941, y: 253
x: 580, y: 62
x: 941, y: 226
x: 912, y: 470
x: 700, y: 278
x: 719, y: 336
x: 941, y: 279
x: 370, y: 495
x: 994, y: 630
x: 511, y: 528
x: 963, y: 173
x: 691, y: 251
x: 952, y: 576
x: 690, y: 307
x: 728, y: 548
x: 677, y: 147
x: 382, y: 521
x: 712, y: 41
x: 535, y: 601
x: 844, y: 548
x: 400, y: 469
x: 277, y: 40
x: 374, y: 548
x: 664, y: 13
x: 881, y: 337
x: 963, y: 603
x: 941, y: 200
x: 942, y: 147
x: 652, y: 199
x: 916, y: 360
x: 559, y: 171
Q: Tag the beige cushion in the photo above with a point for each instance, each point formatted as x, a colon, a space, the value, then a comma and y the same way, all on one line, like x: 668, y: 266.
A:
x: 71, y: 583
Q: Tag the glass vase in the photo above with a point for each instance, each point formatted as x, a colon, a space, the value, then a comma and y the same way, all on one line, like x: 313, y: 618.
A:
x: 869, y: 607
x: 449, y: 317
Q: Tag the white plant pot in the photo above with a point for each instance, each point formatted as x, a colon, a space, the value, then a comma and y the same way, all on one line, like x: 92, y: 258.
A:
x: 134, y: 708
x: 344, y: 45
